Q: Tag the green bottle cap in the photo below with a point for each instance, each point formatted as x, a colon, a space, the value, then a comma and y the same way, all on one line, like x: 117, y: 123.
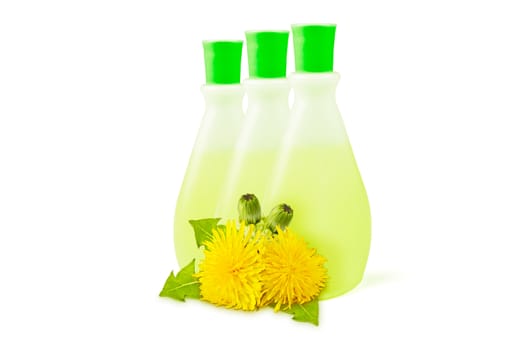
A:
x: 313, y: 47
x: 267, y: 53
x: 222, y: 61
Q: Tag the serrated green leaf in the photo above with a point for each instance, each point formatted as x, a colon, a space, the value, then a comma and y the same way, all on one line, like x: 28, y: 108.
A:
x: 203, y: 229
x: 183, y: 285
x: 308, y: 312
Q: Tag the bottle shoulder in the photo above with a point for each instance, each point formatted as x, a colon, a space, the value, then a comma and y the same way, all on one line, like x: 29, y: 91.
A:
x: 222, y: 92
x: 314, y: 84
x: 267, y: 88
x: 315, y: 77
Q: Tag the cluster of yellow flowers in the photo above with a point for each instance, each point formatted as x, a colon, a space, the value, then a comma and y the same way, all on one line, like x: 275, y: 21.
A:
x: 246, y: 269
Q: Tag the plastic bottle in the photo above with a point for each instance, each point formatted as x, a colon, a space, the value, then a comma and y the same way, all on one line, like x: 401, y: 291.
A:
x: 214, y: 145
x: 265, y: 122
x: 317, y: 173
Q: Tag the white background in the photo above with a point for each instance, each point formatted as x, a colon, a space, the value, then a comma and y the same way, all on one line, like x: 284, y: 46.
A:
x: 99, y: 107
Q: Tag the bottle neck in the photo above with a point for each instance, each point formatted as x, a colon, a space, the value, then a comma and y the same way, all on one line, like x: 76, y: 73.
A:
x: 223, y: 99
x: 267, y: 114
x: 267, y: 94
x: 315, y: 88
x: 222, y: 119
x: 315, y: 116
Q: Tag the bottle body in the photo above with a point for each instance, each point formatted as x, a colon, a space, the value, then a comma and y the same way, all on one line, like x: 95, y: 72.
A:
x: 208, y: 165
x: 258, y: 145
x: 318, y: 176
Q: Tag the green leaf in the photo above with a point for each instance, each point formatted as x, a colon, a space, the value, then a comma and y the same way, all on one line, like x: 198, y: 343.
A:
x: 203, y: 229
x: 183, y: 285
x: 308, y: 312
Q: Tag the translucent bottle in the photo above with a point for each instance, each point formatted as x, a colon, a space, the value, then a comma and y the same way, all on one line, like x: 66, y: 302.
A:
x: 265, y: 121
x: 317, y: 173
x: 214, y: 146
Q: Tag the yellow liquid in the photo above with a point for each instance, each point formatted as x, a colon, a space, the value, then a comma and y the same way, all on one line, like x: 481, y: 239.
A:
x: 331, y: 211
x: 198, y: 196
x: 250, y: 175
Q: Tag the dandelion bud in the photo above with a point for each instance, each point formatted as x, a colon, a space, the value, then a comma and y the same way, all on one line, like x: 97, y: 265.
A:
x: 281, y: 216
x: 249, y: 209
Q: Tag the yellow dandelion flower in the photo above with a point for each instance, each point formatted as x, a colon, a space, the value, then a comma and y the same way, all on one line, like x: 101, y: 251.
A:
x: 229, y: 274
x: 294, y: 273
